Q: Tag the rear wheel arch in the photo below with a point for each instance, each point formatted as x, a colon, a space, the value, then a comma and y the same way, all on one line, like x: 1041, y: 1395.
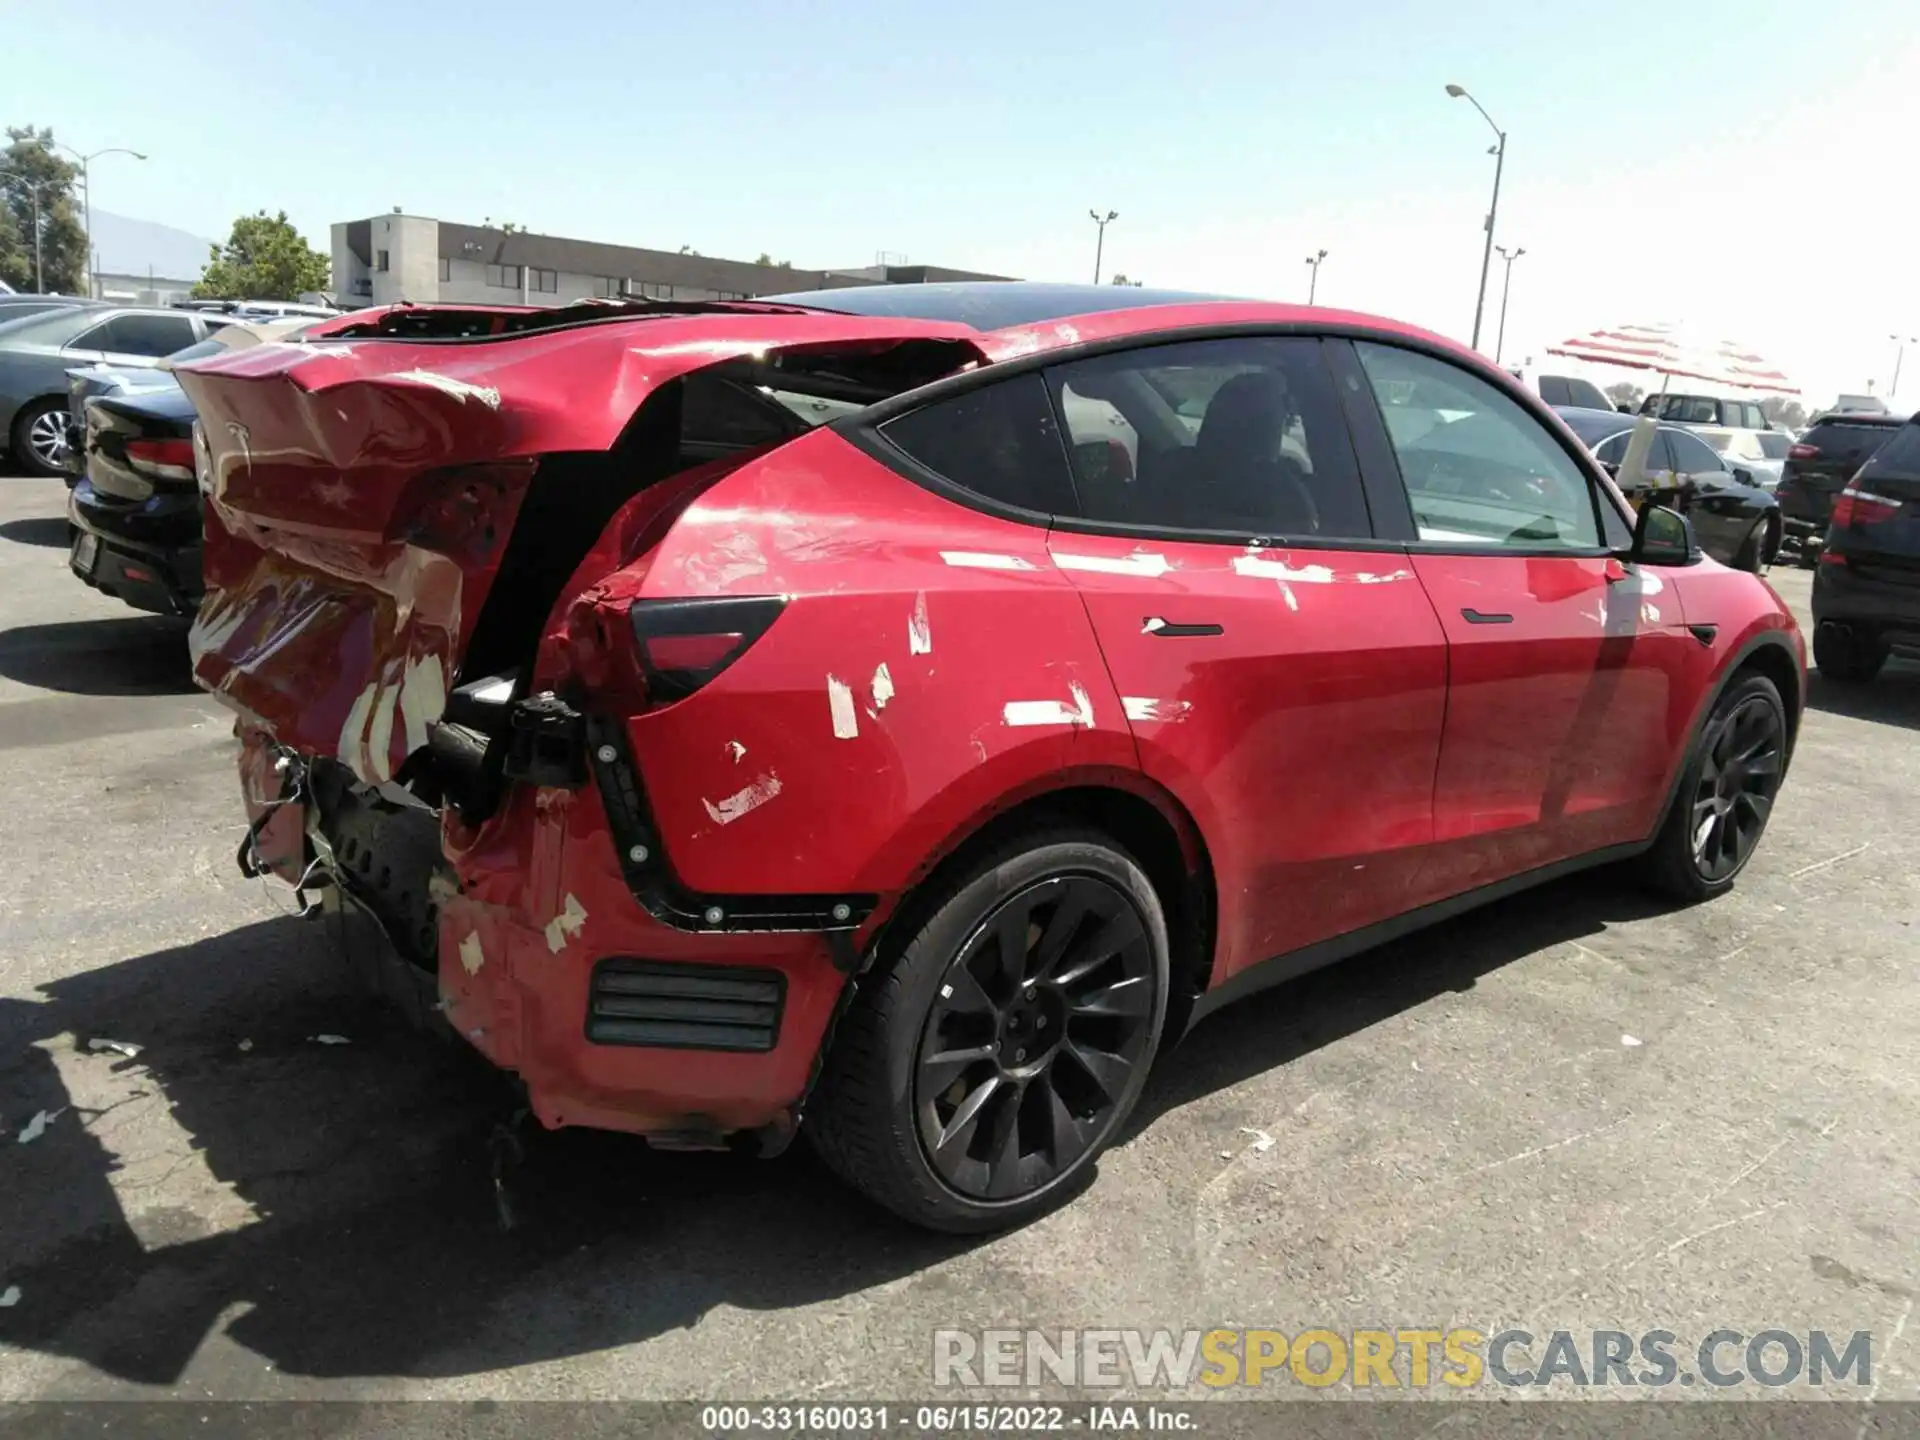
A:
x: 1145, y: 821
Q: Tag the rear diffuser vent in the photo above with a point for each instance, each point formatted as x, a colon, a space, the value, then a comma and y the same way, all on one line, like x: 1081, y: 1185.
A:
x: 684, y: 1007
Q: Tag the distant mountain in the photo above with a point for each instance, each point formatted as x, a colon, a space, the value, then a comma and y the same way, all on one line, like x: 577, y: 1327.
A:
x: 132, y: 247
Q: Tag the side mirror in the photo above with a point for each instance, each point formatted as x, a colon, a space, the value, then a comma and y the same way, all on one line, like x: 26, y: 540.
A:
x: 1663, y: 536
x: 1743, y: 475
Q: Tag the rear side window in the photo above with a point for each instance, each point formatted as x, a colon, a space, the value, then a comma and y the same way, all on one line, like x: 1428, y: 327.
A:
x: 999, y: 441
x: 1900, y: 455
x: 1241, y: 437
x: 1479, y: 469
x: 1692, y: 456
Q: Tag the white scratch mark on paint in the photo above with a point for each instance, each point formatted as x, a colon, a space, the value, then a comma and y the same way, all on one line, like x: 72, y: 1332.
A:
x: 1263, y: 568
x: 744, y: 802
x: 737, y: 751
x: 846, y: 724
x: 1051, y: 712
x: 566, y: 925
x: 1650, y: 614
x: 882, y: 687
x: 1286, y: 594
x: 1151, y: 624
x: 447, y: 385
x: 353, y: 734
x: 1140, y: 562
x: 9, y: 1297
x: 472, y: 957
x: 1368, y: 577
x: 983, y: 560
x: 919, y: 635
x: 423, y: 697
x: 380, y: 735
x: 1146, y: 707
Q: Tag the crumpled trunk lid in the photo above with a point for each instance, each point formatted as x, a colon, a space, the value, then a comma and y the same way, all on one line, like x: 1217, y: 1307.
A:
x: 361, y: 494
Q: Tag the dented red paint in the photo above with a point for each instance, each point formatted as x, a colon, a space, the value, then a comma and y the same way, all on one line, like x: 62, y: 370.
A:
x: 1345, y: 751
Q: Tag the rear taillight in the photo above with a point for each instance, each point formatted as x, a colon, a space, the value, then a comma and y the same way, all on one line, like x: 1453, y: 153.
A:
x: 685, y: 643
x: 1802, y: 452
x: 1856, y: 507
x: 162, y: 459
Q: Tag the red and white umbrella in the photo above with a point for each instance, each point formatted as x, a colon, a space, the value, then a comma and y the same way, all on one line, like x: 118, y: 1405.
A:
x: 1669, y: 351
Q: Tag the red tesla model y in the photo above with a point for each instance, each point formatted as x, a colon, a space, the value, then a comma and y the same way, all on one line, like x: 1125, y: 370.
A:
x: 902, y: 709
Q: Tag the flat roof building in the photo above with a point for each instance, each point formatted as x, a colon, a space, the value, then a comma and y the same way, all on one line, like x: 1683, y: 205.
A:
x: 389, y: 258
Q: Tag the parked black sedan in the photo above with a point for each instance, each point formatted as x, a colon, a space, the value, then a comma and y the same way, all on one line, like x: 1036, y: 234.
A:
x: 1737, y: 522
x: 135, y: 516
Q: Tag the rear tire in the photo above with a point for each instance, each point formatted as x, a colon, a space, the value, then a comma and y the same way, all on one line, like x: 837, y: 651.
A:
x: 1725, y: 797
x: 966, y: 1096
x: 1847, y: 654
x: 1752, y: 556
x: 31, y: 441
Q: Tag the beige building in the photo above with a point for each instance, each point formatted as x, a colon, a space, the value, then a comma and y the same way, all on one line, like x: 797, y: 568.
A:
x: 398, y: 257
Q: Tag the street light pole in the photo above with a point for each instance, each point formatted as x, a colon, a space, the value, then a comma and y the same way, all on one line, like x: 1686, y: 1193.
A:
x: 1313, y: 284
x: 86, y: 182
x: 1499, y: 153
x: 34, y: 189
x: 1100, y: 242
x: 1899, y: 354
x: 1506, y: 285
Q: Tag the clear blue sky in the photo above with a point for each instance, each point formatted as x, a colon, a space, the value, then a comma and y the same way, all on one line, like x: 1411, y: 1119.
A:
x: 1231, y: 137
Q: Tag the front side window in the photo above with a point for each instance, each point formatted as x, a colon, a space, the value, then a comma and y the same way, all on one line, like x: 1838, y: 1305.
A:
x: 1241, y: 437
x: 153, y: 335
x: 999, y: 441
x: 1478, y: 469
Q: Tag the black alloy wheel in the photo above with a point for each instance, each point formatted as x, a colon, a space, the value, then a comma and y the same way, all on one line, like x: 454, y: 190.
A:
x: 1744, y: 758
x: 1002, y: 1035
x: 1038, y: 1028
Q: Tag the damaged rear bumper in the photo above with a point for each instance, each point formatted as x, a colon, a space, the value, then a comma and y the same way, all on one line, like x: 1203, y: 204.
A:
x: 526, y: 936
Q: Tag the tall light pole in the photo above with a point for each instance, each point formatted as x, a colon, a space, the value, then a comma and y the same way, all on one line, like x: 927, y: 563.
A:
x: 1508, y: 257
x: 86, y: 181
x: 34, y: 188
x: 1499, y: 153
x: 1100, y: 243
x: 1313, y: 284
x: 1899, y: 354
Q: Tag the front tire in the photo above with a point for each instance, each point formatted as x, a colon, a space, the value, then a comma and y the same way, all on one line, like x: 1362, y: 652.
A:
x: 40, y: 438
x: 977, y: 1077
x: 1846, y: 654
x: 1726, y: 795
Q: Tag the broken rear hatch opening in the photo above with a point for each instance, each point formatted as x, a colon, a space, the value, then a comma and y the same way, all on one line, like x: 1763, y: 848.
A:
x: 365, y: 494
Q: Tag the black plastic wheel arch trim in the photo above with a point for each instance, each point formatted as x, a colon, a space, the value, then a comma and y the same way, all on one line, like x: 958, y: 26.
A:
x: 649, y: 875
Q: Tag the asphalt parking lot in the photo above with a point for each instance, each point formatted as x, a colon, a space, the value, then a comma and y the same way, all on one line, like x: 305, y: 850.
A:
x: 1570, y: 1110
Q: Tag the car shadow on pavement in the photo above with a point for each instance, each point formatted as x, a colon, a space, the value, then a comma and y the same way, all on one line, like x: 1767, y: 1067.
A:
x: 340, y: 1202
x: 50, y: 530
x: 333, y: 1208
x: 1275, y: 1027
x: 135, y: 655
x: 1892, y: 698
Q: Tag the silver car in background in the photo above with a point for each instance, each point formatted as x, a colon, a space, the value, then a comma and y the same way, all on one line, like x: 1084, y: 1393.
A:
x: 36, y: 353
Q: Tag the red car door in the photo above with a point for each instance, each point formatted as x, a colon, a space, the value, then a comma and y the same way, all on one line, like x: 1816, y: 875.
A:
x: 1282, y: 676
x: 1563, y: 663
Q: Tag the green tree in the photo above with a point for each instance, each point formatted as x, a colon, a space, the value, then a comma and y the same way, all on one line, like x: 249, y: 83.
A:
x: 265, y: 259
x: 28, y: 165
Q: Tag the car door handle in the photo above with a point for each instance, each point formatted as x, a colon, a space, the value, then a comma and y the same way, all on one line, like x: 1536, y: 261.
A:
x: 1487, y: 617
x: 1154, y: 625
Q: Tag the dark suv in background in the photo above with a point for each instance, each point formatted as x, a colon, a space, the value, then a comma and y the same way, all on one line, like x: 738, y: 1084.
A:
x: 1866, y: 593
x: 1818, y: 467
